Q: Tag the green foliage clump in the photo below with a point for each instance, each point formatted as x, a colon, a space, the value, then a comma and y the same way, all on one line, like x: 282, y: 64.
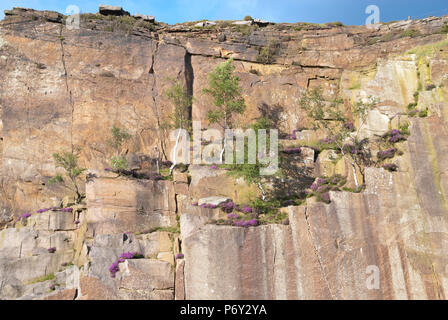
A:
x: 444, y: 29
x: 335, y: 24
x: 423, y: 113
x: 413, y: 33
x: 330, y: 116
x: 119, y: 137
x: 69, y: 162
x: 267, y: 54
x: 404, y: 128
x: 387, y: 37
x: 248, y: 18
x: 225, y: 89
x: 118, y: 163
x: 42, y: 279
x: 245, y: 30
x: 251, y: 172
x: 182, y: 101
x: 172, y: 229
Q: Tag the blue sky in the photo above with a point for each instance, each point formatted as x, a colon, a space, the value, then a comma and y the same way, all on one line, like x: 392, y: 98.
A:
x: 350, y: 12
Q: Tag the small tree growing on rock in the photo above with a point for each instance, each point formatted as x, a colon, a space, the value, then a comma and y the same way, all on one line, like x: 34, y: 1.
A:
x: 179, y: 119
x: 69, y: 162
x: 225, y: 89
x: 119, y: 137
x: 340, y: 130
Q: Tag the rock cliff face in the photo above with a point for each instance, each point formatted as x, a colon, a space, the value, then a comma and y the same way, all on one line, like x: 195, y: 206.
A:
x: 62, y: 88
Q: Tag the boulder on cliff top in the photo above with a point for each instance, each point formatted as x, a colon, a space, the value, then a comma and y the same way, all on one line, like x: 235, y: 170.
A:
x: 51, y: 16
x: 145, y: 17
x: 243, y: 23
x: 205, y: 24
x: 261, y: 23
x: 107, y: 10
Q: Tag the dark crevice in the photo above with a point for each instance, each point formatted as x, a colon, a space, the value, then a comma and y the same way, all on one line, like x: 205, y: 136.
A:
x: 70, y: 96
x: 189, y: 80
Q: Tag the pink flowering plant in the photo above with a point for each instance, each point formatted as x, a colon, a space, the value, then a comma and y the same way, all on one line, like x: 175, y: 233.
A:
x: 115, y: 267
x: 322, y: 186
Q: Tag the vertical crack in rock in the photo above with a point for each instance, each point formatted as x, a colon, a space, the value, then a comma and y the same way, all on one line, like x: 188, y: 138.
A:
x: 273, y: 265
x: 70, y: 96
x: 189, y: 80
x: 154, y: 94
x: 316, y: 252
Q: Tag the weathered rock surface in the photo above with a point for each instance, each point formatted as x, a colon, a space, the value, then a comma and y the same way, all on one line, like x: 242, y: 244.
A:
x: 327, y: 250
x: 62, y: 88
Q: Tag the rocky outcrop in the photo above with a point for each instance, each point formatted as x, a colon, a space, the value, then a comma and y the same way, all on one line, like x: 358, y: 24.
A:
x: 328, y: 251
x: 67, y: 88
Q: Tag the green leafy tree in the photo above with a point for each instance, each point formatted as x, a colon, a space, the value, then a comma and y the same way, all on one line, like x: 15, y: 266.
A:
x: 179, y: 118
x: 330, y: 117
x: 225, y: 89
x: 118, y: 138
x: 69, y: 162
x: 251, y: 172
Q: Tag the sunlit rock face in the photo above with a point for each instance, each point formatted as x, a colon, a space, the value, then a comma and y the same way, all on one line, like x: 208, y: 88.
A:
x: 62, y: 88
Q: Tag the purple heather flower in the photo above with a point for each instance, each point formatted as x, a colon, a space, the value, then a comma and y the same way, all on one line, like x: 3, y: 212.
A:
x: 108, y: 169
x: 179, y: 256
x: 232, y: 216
x: 396, y: 138
x: 43, y: 210
x: 246, y: 209
x: 204, y: 205
x: 52, y: 286
x: 246, y: 224
x: 314, y: 187
x: 253, y: 222
x: 227, y: 206
x: 214, y: 167
x: 293, y: 135
x: 77, y: 222
x: 52, y: 250
x: 130, y: 255
x: 326, y: 197
x: 66, y: 210
x: 114, y: 268
x: 328, y: 140
x: 320, y: 181
x: 25, y: 215
x: 127, y: 255
x: 387, y: 154
x: 349, y: 126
